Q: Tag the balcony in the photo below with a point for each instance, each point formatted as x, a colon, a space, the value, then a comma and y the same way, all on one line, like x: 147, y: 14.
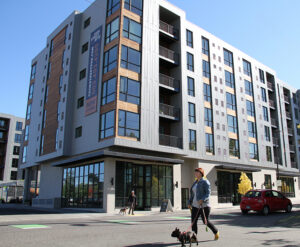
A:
x: 270, y: 86
x: 169, y: 82
x: 294, y: 164
x: 171, y: 141
x: 169, y: 111
x: 276, y: 141
x: 277, y: 160
x: 168, y: 29
x: 292, y: 149
x: 288, y: 115
x: 274, y: 123
x: 286, y: 99
x: 290, y: 131
x: 168, y: 54
x: 272, y: 104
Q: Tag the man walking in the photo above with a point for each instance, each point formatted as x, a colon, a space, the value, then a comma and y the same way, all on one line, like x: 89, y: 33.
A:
x: 132, y: 202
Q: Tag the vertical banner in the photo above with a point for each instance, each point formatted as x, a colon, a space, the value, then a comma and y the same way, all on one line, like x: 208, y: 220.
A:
x: 93, y: 72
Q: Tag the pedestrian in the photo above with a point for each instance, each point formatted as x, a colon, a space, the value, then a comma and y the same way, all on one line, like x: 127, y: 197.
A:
x: 199, y: 202
x: 132, y: 202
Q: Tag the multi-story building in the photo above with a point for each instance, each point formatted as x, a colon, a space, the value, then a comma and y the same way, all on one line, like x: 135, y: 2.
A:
x: 129, y: 95
x: 11, y: 128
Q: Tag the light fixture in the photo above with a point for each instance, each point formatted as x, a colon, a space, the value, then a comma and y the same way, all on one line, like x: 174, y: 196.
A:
x: 112, y: 181
x: 216, y: 183
x: 273, y: 184
x: 254, y: 184
x: 176, y: 184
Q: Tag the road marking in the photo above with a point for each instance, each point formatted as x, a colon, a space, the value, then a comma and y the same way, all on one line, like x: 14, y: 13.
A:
x: 122, y: 221
x: 26, y: 227
x: 179, y: 218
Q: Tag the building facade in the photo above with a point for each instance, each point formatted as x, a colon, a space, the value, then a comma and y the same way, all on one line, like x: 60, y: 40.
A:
x: 11, y: 128
x: 129, y: 95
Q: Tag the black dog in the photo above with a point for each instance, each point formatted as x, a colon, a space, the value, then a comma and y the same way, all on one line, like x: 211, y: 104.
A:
x: 184, y: 237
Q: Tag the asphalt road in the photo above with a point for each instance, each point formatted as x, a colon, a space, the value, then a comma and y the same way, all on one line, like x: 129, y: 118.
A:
x: 19, y: 227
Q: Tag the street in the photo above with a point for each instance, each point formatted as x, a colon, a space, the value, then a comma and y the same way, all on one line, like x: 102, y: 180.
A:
x: 25, y: 227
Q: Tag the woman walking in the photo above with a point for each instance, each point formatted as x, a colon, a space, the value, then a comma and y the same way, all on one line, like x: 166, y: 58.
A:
x: 199, y: 202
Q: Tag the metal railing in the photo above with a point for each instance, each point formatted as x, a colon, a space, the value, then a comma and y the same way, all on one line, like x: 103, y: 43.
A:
x: 275, y: 141
x: 273, y: 121
x: 272, y: 103
x: 292, y: 148
x: 277, y: 160
x: 169, y: 110
x: 168, y: 29
x: 290, y: 131
x: 288, y: 115
x: 286, y: 98
x: 294, y: 164
x: 172, y: 141
x: 167, y: 53
x: 270, y: 85
x: 168, y: 81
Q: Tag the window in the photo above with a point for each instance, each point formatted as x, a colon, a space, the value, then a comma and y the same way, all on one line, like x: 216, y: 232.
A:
x: 250, y: 108
x: 30, y: 94
x: 51, y: 48
x: 265, y: 114
x: 56, y: 140
x: 267, y: 134
x: 253, y: 153
x: 2, y: 123
x: 87, y: 22
x: 269, y: 153
x: 19, y: 126
x: 207, y: 92
x: 15, y: 163
x: 261, y: 76
x: 63, y: 59
x: 16, y: 150
x: 85, y: 47
x: 205, y: 46
x: 33, y: 71
x: 131, y: 59
x: 44, y: 118
x: 46, y: 94
x: 80, y: 102
x: 58, y: 110
x: 60, y: 83
x: 112, y: 30
x: 49, y: 70
x: 112, y: 6
x: 129, y: 124
x: 230, y: 101
x: 252, y: 129
x: 108, y: 91
x: 247, y: 67
x: 42, y: 145
x: 26, y: 133
x: 18, y: 138
x: 192, y: 116
x: 208, y: 120
x: 130, y: 90
x: 191, y: 86
x: 13, y: 175
x: 268, y: 181
x: 228, y: 58
x: 190, y: 61
x: 189, y: 38
x: 248, y: 88
x: 78, y: 132
x: 206, y: 69
x: 110, y: 59
x: 296, y: 113
x: 1, y: 135
x: 209, y: 143
x: 263, y: 94
x: 28, y: 115
x: 107, y: 124
x: 234, y: 148
x: 229, y: 79
x: 132, y: 30
x: 192, y: 140
x: 135, y: 6
x: 82, y: 74
x: 232, y: 124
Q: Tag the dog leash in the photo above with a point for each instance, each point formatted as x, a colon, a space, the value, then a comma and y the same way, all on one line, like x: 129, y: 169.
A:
x: 205, y: 219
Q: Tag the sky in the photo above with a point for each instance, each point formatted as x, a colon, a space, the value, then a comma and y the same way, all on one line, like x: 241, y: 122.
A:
x: 267, y: 30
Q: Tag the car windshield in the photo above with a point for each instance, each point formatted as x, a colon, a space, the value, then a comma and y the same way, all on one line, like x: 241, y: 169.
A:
x: 253, y: 194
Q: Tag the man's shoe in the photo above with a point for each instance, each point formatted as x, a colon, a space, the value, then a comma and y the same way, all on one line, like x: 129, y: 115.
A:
x: 217, y: 235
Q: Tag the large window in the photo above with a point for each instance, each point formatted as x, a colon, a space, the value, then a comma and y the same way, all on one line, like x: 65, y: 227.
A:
x: 267, y: 134
x: 78, y: 132
x: 132, y: 30
x: 112, y: 30
x: 247, y: 67
x: 232, y: 124
x: 248, y: 88
x: 19, y: 126
x: 108, y: 91
x: 189, y: 38
x: 229, y: 79
x: 107, y: 124
x: 16, y: 150
x: 83, y: 186
x: 130, y: 90
x: 234, y: 148
x: 190, y: 61
x: 135, y: 6
x: 28, y: 114
x: 265, y: 113
x: 30, y: 95
x: 205, y: 46
x: 287, y: 186
x: 268, y: 182
x: 192, y: 113
x: 230, y: 101
x: 33, y: 72
x: 252, y: 129
x: 228, y: 58
x: 269, y: 153
x: 191, y: 86
x: 263, y: 94
x: 209, y: 143
x: 18, y: 138
x: 13, y: 175
x: 129, y: 124
x: 206, y: 69
x: 112, y: 6
x: 208, y: 119
x: 261, y: 76
x: 253, y: 153
x: 131, y: 59
x: 15, y: 162
x: 26, y: 133
x: 110, y: 59
x: 192, y: 140
x: 207, y: 92
x: 250, y: 108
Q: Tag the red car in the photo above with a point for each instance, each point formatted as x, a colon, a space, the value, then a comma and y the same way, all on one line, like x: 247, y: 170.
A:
x: 265, y: 201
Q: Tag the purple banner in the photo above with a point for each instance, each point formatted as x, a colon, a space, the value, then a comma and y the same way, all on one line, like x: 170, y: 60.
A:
x: 93, y: 72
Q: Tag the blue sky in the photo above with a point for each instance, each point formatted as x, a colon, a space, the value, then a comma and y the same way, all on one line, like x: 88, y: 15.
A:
x: 267, y: 30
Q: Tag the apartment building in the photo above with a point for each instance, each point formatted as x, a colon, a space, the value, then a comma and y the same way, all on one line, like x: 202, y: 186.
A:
x: 129, y: 95
x: 11, y: 128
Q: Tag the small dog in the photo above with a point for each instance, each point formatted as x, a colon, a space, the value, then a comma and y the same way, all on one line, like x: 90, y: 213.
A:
x: 184, y: 237
x: 123, y: 211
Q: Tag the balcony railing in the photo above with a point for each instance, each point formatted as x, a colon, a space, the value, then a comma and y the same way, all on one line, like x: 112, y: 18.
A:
x: 270, y: 85
x: 169, y: 110
x: 272, y: 103
x: 273, y: 122
x: 275, y: 141
x: 277, y: 160
x: 288, y: 115
x: 290, y: 131
x: 172, y: 141
x: 292, y: 148
x: 286, y: 98
x: 168, y: 29
x: 169, y: 54
x: 294, y: 164
x: 168, y: 81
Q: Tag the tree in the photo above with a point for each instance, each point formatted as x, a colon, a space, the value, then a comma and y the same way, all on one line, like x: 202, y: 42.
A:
x: 245, y: 184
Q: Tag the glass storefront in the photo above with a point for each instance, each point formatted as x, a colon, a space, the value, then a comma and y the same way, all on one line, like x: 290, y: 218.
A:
x: 83, y: 186
x: 287, y: 186
x: 151, y: 183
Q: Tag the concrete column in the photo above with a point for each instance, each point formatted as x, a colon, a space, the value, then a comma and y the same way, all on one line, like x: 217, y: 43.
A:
x: 109, y: 185
x: 26, y: 193
x: 177, y: 191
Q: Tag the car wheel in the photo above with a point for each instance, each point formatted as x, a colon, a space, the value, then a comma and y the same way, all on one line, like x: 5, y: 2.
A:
x: 244, y: 211
x: 265, y: 210
x: 288, y: 208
